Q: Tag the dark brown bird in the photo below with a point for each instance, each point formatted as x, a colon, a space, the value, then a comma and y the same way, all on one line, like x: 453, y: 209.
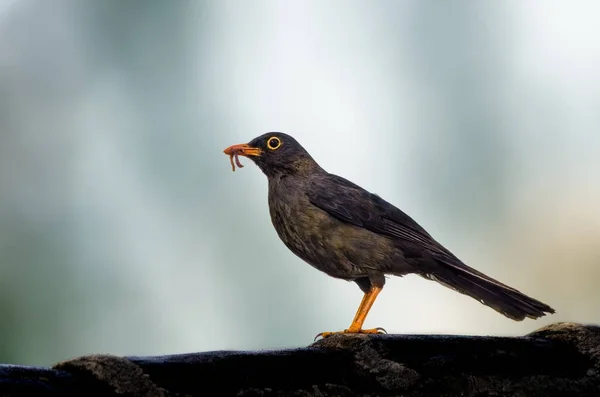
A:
x: 352, y: 234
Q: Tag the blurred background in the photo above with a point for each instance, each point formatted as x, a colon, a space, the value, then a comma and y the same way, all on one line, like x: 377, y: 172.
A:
x: 124, y: 231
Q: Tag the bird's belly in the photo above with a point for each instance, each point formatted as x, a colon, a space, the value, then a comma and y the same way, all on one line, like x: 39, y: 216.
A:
x: 339, y: 249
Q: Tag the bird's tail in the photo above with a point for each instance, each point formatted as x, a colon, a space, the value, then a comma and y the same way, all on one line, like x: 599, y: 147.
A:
x: 500, y: 297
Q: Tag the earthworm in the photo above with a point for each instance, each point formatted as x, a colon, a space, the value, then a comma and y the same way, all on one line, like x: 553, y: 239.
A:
x: 234, y: 154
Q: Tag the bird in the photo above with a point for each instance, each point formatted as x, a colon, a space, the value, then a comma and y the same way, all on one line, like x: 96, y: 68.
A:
x: 349, y: 233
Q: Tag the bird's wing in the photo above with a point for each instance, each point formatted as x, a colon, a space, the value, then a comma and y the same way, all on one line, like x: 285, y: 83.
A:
x: 350, y: 203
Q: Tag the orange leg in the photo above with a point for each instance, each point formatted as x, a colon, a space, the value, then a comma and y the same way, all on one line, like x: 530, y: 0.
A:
x: 360, y: 316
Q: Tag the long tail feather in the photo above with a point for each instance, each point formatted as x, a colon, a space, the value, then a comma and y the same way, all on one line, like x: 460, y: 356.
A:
x: 500, y: 297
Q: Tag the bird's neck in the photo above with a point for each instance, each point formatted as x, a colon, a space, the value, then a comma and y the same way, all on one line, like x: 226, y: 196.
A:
x: 300, y: 168
x: 306, y: 166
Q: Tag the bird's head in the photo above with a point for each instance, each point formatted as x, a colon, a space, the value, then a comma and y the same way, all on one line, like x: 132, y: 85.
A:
x: 275, y: 153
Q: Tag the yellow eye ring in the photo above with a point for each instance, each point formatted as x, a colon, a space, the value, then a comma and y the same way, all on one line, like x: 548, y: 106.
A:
x: 273, y: 143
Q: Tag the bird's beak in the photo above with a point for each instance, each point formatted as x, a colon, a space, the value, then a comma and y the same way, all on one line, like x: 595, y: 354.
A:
x: 242, y: 149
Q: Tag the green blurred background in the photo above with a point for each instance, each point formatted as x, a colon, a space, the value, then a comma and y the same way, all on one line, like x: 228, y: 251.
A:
x: 124, y: 231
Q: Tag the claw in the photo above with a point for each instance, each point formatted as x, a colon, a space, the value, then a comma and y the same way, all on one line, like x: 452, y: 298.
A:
x: 378, y: 330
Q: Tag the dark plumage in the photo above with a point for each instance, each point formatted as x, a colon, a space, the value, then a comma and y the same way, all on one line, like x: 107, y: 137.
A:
x: 352, y: 234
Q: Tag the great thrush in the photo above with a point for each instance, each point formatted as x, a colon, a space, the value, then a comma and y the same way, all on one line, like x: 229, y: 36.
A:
x: 352, y: 234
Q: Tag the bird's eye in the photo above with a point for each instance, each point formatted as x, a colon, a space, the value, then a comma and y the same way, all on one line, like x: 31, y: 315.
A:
x: 274, y: 143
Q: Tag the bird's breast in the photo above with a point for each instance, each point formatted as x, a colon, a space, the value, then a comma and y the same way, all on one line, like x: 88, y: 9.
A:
x: 299, y: 226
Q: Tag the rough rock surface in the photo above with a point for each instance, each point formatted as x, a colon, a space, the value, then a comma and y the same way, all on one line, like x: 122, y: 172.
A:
x: 562, y: 359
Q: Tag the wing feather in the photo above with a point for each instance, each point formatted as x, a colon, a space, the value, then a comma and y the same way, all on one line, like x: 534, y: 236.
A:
x: 350, y: 203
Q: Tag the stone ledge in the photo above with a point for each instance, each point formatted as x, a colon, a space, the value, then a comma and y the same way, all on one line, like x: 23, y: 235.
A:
x: 562, y: 359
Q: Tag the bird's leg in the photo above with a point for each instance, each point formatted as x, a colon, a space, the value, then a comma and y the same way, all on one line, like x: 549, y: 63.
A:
x: 363, y: 310
x: 360, y: 316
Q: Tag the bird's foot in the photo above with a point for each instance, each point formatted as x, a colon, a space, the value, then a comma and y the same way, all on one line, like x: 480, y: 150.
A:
x: 378, y: 330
